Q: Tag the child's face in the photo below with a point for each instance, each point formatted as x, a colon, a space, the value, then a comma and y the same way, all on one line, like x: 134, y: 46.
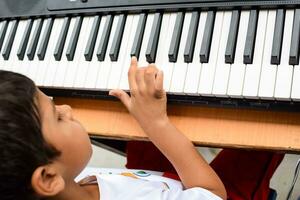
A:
x: 66, y: 134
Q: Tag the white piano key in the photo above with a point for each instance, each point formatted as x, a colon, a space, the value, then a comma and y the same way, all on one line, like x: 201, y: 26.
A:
x: 180, y: 67
x: 278, y: 37
x: 10, y: 40
x: 208, y: 69
x: 34, y: 66
x: 104, y: 71
x: 10, y: 64
x: 142, y: 59
x: 295, y: 95
x: 32, y: 48
x: 116, y: 45
x: 252, y: 76
x: 222, y: 69
x: 2, y: 60
x: 162, y: 38
x: 26, y: 63
x: 268, y: 73
x: 74, y: 66
x: 2, y: 63
x: 22, y: 46
x: 90, y: 46
x: 194, y: 68
x: 294, y: 50
x: 238, y: 68
x: 83, y: 65
x: 52, y: 63
x: 71, y: 48
x: 95, y: 65
x: 2, y: 23
x: 285, y: 71
x: 166, y: 66
x: 123, y: 83
x: 44, y: 37
x: 153, y: 39
x: 251, y: 35
x: 117, y: 67
x: 63, y: 63
x: 3, y: 29
x: 139, y: 34
x: 176, y: 37
x: 43, y: 65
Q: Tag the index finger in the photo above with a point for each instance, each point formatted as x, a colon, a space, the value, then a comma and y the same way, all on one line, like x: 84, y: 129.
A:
x: 131, y: 74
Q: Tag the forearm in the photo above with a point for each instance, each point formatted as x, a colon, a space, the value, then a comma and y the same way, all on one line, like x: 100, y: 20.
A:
x: 192, y: 169
x: 147, y: 104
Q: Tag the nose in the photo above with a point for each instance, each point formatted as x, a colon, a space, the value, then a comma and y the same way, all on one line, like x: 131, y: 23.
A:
x: 66, y: 110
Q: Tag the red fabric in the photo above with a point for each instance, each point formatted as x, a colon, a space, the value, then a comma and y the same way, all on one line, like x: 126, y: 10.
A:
x: 144, y: 155
x: 245, y: 174
x: 171, y: 175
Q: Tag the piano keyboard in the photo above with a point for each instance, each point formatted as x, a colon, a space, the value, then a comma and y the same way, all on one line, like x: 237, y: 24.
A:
x: 228, y: 54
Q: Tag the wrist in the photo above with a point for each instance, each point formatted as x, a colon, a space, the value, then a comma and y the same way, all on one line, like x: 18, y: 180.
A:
x: 149, y: 124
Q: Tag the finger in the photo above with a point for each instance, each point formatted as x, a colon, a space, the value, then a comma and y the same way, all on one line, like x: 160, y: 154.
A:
x: 159, y: 84
x: 132, y: 73
x: 123, y: 96
x: 159, y: 80
x: 140, y: 79
x: 150, y: 77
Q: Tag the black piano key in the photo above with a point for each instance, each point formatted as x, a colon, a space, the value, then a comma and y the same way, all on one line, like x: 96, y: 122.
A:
x: 175, y: 41
x: 62, y: 39
x: 7, y: 48
x: 251, y: 36
x: 105, y: 38
x: 89, y: 50
x: 294, y: 50
x: 115, y: 47
x: 35, y: 39
x: 154, y: 38
x: 138, y: 38
x: 45, y: 39
x: 207, y: 37
x: 74, y: 39
x: 3, y: 33
x: 232, y: 37
x: 191, y: 39
x: 278, y: 36
x: 25, y: 39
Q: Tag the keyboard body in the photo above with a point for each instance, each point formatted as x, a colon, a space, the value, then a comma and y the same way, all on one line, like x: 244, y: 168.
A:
x: 241, y: 54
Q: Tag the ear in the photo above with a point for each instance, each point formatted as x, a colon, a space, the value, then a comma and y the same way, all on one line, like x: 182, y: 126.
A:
x: 46, y: 181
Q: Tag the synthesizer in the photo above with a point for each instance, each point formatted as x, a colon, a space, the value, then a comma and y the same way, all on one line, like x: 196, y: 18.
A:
x: 222, y: 53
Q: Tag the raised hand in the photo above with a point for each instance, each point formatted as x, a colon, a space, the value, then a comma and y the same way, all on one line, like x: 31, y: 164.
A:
x: 147, y: 100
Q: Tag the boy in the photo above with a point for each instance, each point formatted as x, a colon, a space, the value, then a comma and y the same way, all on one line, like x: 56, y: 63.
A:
x: 43, y: 148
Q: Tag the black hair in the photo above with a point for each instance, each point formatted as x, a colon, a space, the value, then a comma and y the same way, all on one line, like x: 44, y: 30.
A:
x: 22, y: 145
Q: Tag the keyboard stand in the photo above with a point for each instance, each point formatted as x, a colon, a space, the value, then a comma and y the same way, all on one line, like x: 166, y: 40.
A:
x: 212, y: 127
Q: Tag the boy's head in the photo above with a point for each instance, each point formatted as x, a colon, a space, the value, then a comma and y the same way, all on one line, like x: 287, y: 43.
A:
x: 42, y: 147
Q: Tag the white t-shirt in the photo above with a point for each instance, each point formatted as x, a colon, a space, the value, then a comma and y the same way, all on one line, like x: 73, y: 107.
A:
x: 124, y: 184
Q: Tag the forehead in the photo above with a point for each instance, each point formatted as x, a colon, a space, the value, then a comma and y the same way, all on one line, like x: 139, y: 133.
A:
x: 44, y: 103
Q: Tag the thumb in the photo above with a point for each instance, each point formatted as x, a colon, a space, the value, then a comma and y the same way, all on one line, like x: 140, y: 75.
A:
x: 123, y: 96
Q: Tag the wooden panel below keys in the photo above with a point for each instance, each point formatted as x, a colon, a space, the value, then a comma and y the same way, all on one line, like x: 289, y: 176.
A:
x: 216, y: 127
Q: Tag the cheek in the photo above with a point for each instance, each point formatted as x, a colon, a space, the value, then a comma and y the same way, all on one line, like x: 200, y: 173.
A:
x: 79, y: 149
